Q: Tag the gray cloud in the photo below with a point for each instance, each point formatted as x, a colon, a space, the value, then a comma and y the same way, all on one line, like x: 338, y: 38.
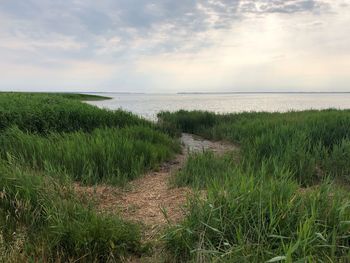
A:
x: 98, y: 17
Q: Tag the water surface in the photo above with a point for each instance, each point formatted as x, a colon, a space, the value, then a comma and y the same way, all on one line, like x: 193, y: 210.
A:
x: 148, y: 105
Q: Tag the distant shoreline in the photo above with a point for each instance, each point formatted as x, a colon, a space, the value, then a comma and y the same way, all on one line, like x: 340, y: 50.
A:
x: 181, y: 93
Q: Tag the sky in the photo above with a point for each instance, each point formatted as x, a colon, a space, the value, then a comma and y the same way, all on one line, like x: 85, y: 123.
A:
x: 168, y: 46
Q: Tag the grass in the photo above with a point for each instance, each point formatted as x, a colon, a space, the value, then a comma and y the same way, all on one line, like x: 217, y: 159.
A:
x: 281, y: 202
x: 109, y: 155
x: 82, y: 97
x: 48, y: 141
x: 75, y: 96
x: 251, y: 216
x: 45, y: 113
x: 304, y: 142
x: 53, y: 225
x: 201, y: 168
x: 195, y: 122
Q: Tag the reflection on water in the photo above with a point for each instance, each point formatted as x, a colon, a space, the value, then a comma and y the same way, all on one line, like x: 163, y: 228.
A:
x: 148, y: 105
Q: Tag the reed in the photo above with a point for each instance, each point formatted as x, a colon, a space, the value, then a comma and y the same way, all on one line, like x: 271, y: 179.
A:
x: 304, y: 142
x: 251, y: 215
x: 45, y: 113
x: 110, y: 155
x: 48, y: 141
x: 41, y: 219
x: 200, y: 169
x: 282, y: 202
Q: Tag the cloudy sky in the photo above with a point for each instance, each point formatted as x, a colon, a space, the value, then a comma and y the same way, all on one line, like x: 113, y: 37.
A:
x: 175, y: 45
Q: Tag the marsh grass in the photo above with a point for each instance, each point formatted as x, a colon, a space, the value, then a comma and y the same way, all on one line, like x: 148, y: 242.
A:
x: 200, y: 169
x: 303, y: 142
x: 52, y: 223
x: 110, y: 155
x: 257, y: 216
x: 47, y: 141
x: 45, y: 113
x: 280, y: 202
x: 67, y: 95
x: 196, y: 122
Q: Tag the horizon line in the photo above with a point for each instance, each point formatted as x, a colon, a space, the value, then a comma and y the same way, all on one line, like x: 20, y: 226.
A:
x: 190, y: 92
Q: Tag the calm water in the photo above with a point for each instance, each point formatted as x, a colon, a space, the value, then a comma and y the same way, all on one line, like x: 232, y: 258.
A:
x: 148, y: 105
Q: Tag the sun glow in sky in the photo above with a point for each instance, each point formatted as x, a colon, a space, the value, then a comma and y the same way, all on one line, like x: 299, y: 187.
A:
x: 175, y: 46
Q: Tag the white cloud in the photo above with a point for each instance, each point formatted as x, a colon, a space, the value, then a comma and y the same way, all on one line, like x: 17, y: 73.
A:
x: 22, y: 42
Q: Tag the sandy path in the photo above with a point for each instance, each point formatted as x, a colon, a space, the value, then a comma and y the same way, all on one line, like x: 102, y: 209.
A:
x: 150, y: 197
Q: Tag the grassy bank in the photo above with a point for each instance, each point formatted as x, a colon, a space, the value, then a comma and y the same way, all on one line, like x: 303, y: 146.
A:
x: 45, y: 113
x: 48, y: 141
x: 282, y: 202
x: 75, y: 96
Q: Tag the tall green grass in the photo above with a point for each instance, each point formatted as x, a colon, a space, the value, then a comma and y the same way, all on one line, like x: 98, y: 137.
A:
x: 196, y: 122
x: 111, y: 155
x: 279, y: 203
x: 303, y: 142
x: 44, y: 113
x: 200, y: 169
x: 54, y: 226
x: 67, y: 95
x: 251, y: 215
x: 57, y: 131
x: 46, y: 142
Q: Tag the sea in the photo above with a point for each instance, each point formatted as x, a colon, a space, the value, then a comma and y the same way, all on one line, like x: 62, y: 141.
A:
x: 148, y: 105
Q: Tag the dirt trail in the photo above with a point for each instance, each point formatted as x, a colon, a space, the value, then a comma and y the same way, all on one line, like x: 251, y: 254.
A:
x: 150, y: 197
